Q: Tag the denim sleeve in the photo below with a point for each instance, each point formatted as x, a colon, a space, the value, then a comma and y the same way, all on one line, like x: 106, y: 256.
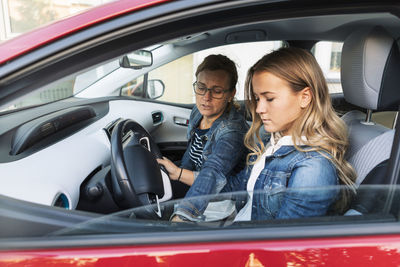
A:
x: 237, y: 182
x: 186, y: 163
x: 226, y: 153
x: 311, y: 189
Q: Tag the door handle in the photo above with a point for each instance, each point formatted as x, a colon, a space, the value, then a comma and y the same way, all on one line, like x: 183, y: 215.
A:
x: 181, y: 121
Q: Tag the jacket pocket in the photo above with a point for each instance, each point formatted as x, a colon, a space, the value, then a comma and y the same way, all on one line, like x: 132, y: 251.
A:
x: 273, y: 191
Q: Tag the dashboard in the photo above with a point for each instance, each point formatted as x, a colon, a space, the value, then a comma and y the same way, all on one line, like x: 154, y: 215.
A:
x: 50, y: 168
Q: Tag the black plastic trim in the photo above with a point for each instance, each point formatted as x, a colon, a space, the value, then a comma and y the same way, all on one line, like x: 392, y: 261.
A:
x: 172, y: 146
x: 13, y: 121
x: 279, y: 232
x: 23, y: 219
x: 389, y: 96
x: 157, y: 117
x: 393, y: 171
x: 36, y: 130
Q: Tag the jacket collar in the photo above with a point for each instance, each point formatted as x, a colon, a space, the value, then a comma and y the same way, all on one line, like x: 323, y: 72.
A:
x: 286, y: 148
x: 197, y: 118
x: 283, y: 151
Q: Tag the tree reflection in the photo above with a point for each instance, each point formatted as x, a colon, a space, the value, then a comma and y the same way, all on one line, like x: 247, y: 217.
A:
x: 30, y: 14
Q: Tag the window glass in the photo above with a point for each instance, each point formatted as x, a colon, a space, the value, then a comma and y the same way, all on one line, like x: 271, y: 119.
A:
x: 65, y: 87
x: 222, y: 210
x: 134, y: 88
x: 173, y: 81
x: 336, y: 56
x: 179, y: 75
x: 244, y: 55
x: 87, y: 78
x: 328, y: 55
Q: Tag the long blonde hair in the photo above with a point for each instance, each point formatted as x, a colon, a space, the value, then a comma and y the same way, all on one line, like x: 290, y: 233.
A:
x: 325, y: 132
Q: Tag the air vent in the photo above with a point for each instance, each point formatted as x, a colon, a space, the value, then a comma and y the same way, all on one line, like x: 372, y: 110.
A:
x: 61, y: 201
x: 157, y: 117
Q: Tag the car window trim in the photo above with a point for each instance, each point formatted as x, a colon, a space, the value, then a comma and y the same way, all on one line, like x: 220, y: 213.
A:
x: 275, y: 232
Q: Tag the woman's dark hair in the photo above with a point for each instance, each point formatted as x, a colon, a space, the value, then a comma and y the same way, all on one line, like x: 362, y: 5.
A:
x: 220, y: 62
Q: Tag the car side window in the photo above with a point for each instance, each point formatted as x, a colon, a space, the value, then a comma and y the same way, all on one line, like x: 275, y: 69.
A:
x: 177, y: 77
x: 134, y: 88
x: 164, y: 83
x: 328, y: 55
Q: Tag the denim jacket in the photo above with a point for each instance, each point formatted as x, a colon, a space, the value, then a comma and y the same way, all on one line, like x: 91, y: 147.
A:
x: 223, y: 155
x: 293, y: 184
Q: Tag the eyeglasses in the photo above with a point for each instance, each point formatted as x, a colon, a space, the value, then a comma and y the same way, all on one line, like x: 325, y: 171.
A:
x: 217, y: 92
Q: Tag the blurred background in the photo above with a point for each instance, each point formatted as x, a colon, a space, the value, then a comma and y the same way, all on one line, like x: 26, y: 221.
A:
x: 19, y: 16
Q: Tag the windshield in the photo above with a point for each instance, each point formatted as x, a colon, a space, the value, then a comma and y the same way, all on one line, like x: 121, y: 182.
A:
x: 65, y: 87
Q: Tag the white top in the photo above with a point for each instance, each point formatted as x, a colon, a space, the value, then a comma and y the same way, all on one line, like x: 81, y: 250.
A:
x: 273, y: 145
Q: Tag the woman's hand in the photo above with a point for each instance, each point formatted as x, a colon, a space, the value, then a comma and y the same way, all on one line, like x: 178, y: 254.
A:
x: 172, y: 169
x: 176, y: 219
x: 176, y: 173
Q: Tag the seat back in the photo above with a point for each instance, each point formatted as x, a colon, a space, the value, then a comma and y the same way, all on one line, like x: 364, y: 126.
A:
x: 369, y: 146
x: 370, y: 77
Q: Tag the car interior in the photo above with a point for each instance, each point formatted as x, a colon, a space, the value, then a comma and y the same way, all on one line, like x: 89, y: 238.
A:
x: 78, y: 154
x: 370, y: 143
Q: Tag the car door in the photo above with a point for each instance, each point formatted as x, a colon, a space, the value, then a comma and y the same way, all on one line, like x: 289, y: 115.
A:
x: 37, y: 234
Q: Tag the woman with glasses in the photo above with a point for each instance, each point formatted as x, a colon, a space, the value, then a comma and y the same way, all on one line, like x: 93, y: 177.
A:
x: 216, y: 130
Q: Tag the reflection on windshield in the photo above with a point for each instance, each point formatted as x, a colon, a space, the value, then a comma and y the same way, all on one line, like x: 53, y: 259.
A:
x: 65, y: 87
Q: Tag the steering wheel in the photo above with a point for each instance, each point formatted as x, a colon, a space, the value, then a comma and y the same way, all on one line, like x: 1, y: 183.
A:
x: 136, y: 176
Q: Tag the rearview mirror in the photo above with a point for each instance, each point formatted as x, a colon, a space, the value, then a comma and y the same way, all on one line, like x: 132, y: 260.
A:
x: 137, y: 60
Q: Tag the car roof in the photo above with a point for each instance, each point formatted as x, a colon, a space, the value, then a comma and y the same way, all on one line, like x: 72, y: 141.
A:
x: 59, y: 29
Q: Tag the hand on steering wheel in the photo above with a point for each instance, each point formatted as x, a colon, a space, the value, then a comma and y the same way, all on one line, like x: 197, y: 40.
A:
x: 136, y: 176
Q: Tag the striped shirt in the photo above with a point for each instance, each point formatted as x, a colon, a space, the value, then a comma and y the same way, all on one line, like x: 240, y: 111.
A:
x: 196, y: 150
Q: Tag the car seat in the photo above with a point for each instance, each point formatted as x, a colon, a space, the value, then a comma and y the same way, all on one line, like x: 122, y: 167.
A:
x: 370, y: 75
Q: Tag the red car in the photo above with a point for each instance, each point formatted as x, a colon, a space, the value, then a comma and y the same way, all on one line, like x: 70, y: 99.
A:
x: 66, y: 87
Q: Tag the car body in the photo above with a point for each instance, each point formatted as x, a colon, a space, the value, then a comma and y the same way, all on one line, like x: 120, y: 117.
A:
x: 64, y: 93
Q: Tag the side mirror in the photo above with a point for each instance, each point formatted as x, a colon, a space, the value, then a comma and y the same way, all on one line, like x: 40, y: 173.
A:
x: 137, y: 60
x: 155, y: 89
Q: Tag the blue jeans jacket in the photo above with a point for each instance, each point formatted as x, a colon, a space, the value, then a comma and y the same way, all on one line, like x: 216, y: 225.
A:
x: 223, y: 155
x: 293, y: 184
